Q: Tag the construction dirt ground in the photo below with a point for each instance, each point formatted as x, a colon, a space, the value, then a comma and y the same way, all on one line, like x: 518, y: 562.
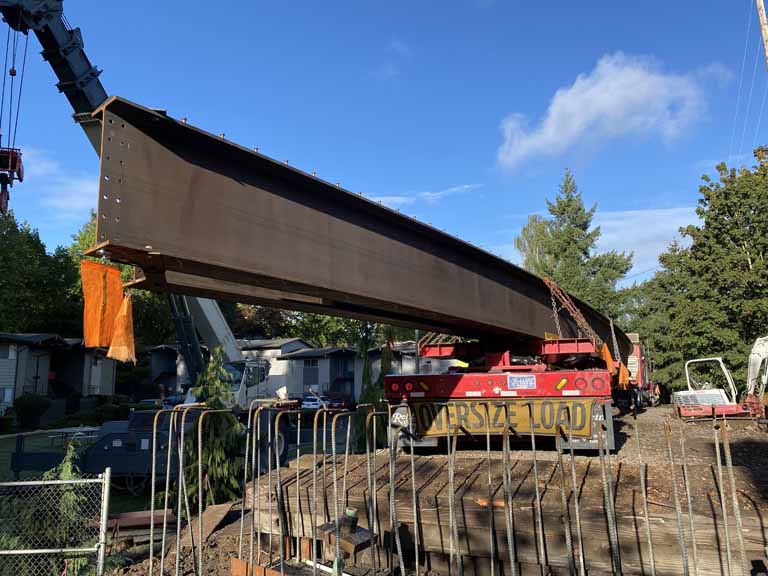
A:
x: 748, y: 447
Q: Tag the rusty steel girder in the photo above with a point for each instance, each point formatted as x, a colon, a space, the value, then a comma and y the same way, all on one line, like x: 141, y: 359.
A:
x: 203, y: 216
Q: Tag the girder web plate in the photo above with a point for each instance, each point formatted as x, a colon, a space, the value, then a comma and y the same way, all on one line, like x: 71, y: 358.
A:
x: 226, y: 220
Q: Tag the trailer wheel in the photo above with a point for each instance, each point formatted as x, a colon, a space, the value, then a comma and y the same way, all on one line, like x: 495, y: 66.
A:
x: 280, y: 440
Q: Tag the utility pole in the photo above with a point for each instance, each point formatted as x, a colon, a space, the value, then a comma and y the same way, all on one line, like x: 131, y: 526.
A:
x: 763, y: 26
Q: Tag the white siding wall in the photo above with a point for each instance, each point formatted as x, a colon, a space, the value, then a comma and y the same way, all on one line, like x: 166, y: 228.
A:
x: 324, y: 380
x: 33, y: 377
x: 294, y: 376
x: 98, y: 376
x: 7, y: 375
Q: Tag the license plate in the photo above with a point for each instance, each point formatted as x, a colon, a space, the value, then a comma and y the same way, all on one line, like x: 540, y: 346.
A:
x: 521, y: 382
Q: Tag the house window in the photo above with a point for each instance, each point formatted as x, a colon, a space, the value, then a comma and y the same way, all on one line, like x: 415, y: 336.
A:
x: 311, y: 375
x: 7, y: 396
x: 5, y: 351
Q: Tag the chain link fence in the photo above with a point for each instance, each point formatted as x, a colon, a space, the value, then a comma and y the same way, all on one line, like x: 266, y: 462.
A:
x: 55, y: 527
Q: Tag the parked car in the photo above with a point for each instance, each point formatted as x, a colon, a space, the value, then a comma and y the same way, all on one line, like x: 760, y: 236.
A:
x: 338, y: 403
x: 314, y: 403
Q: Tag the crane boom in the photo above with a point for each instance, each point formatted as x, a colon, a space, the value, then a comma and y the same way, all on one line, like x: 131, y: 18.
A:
x: 63, y: 49
x: 78, y: 80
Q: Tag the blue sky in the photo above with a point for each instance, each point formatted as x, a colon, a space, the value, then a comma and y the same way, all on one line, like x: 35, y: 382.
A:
x: 463, y: 114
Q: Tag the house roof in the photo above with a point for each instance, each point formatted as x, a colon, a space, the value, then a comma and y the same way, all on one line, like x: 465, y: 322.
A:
x: 33, y: 339
x: 268, y: 344
x: 318, y: 353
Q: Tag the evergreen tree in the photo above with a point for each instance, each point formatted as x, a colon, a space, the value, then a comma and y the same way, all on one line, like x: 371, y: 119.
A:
x: 223, y: 441
x: 35, y: 287
x: 564, y: 248
x: 711, y: 296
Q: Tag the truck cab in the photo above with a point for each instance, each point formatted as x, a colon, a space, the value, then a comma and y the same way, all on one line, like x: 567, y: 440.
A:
x: 249, y: 380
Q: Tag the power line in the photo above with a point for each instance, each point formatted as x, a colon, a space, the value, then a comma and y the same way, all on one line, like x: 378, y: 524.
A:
x: 741, y: 79
x: 760, y: 115
x: 749, y: 99
x: 636, y: 274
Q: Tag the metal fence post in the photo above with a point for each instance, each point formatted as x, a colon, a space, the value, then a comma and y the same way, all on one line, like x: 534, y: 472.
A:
x: 103, y: 521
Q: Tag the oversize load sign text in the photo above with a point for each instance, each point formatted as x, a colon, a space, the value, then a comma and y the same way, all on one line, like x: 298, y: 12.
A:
x: 432, y: 418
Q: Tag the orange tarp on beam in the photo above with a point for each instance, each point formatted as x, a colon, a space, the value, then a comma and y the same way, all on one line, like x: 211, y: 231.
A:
x: 103, y: 296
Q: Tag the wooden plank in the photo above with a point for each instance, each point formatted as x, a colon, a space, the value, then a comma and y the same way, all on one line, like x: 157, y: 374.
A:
x: 212, y: 517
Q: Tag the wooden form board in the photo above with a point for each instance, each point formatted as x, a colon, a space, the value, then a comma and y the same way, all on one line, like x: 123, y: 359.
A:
x: 474, y: 517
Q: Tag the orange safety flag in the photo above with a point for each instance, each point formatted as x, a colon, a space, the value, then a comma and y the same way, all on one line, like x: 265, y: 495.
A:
x: 605, y: 354
x: 122, y: 347
x: 103, y: 297
x: 623, y: 376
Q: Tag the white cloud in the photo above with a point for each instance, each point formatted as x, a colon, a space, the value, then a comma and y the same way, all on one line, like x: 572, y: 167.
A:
x: 646, y: 233
x: 399, y: 47
x: 66, y: 197
x: 623, y: 95
x: 430, y: 197
x: 395, y: 201
x: 397, y: 52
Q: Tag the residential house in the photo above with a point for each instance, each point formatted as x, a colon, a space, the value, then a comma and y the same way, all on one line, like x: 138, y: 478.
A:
x: 50, y: 365
x: 338, y: 371
x: 332, y: 370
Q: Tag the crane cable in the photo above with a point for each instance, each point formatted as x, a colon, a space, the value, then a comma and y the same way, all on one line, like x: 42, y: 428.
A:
x: 741, y: 80
x: 12, y: 50
x: 2, y: 93
x: 21, y: 87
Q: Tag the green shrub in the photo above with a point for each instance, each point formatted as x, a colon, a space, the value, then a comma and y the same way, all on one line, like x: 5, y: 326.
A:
x: 6, y: 424
x: 30, y: 408
x: 109, y: 412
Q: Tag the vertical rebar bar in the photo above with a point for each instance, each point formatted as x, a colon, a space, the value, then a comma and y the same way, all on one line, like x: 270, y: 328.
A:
x: 723, y: 499
x: 337, y: 515
x: 607, y: 480
x: 201, y: 540
x: 171, y: 435
x: 394, y: 527
x: 371, y: 513
x: 344, y: 498
x: 642, y: 469
x: 689, y: 502
x: 542, y: 552
x: 416, y: 517
x: 734, y: 498
x: 313, y: 502
x: 491, y: 528
x: 270, y: 455
x: 455, y: 546
x: 153, y: 476
x: 576, y: 499
x: 298, y: 491
x: 509, y: 516
x: 676, y: 496
x: 257, y: 518
x: 564, y: 509
x: 246, y: 462
x: 281, y: 508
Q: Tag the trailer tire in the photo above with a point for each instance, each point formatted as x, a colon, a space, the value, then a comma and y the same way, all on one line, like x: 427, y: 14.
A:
x: 280, y: 439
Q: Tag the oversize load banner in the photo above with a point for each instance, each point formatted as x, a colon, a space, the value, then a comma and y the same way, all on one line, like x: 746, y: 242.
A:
x: 433, y: 418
